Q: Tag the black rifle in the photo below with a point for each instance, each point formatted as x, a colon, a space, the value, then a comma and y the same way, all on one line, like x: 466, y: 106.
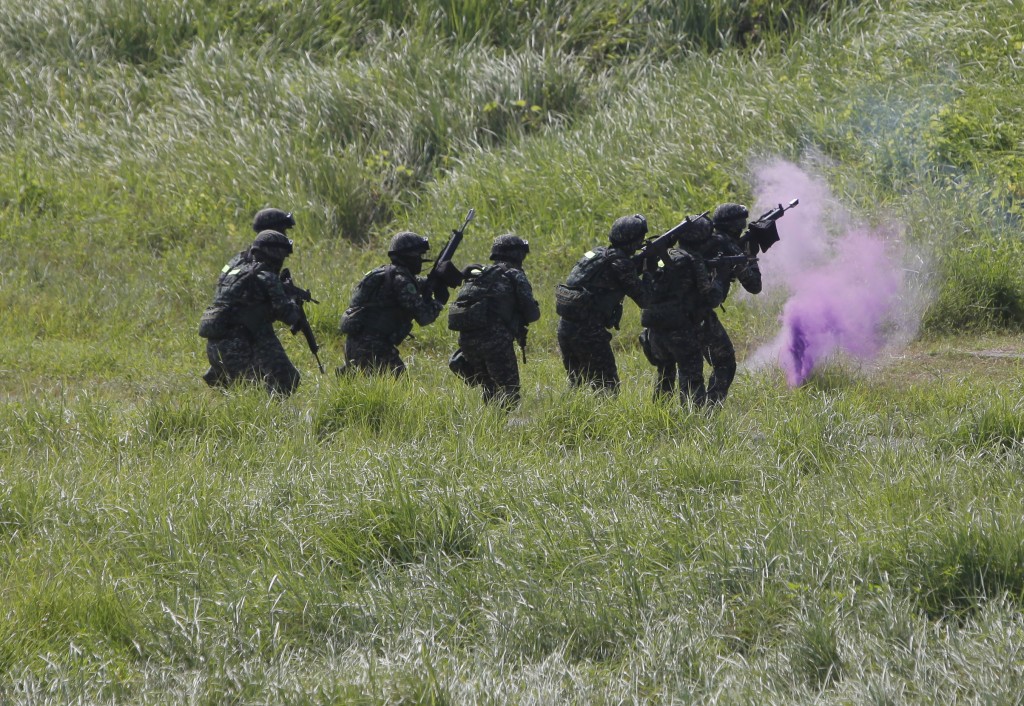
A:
x: 726, y: 263
x: 521, y: 335
x: 762, y: 233
x: 301, y: 296
x: 438, y: 280
x: 654, y: 249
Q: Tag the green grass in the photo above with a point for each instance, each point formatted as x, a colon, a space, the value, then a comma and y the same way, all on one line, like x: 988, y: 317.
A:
x: 379, y: 541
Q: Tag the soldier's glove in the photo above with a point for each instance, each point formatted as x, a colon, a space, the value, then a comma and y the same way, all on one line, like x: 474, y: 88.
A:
x: 441, y: 295
x: 449, y: 274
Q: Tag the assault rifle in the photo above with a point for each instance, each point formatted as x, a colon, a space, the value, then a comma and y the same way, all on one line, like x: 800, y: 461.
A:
x: 521, y: 335
x: 654, y: 249
x: 443, y: 274
x: 726, y: 263
x: 301, y: 296
x: 762, y: 233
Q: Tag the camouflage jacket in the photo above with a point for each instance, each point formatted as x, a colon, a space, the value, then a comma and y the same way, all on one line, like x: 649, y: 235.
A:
x: 248, y: 300
x: 683, y: 291
x: 386, y: 302
x: 723, y: 244
x: 597, y: 285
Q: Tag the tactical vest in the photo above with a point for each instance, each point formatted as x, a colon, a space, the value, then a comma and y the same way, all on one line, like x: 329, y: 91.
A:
x: 374, y: 308
x: 486, y: 296
x: 671, y: 304
x: 582, y: 298
x: 235, y: 304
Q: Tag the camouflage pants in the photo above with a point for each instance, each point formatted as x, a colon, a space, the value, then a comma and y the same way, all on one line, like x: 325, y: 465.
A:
x: 491, y: 355
x: 260, y: 360
x: 677, y: 355
x: 372, y: 354
x: 718, y: 350
x: 587, y: 355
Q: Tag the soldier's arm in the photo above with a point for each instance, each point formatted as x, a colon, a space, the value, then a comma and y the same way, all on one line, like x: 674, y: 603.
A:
x: 710, y: 286
x: 285, y: 310
x: 636, y: 288
x: 526, y: 305
x: 423, y: 310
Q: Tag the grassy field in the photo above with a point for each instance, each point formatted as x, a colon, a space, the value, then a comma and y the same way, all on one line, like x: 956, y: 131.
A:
x: 855, y: 539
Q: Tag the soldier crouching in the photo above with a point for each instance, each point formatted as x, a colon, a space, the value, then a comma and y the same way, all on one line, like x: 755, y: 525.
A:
x: 383, y: 307
x: 239, y: 325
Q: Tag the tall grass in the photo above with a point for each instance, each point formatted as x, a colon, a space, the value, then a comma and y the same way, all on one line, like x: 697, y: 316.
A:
x: 340, y: 543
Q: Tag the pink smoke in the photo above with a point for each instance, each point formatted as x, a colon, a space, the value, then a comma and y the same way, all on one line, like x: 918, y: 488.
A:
x: 848, y: 290
x: 840, y: 306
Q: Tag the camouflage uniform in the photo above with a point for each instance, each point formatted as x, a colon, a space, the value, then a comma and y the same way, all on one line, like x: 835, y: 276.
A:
x: 238, y: 325
x: 716, y: 346
x: 588, y: 305
x: 380, y: 316
x: 683, y: 290
x: 494, y: 307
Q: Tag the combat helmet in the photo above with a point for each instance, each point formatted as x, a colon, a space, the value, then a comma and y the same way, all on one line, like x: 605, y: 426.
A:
x: 509, y: 247
x: 408, y: 243
x: 628, y: 229
x: 271, y: 247
x: 730, y: 217
x: 697, y: 235
x: 272, y: 219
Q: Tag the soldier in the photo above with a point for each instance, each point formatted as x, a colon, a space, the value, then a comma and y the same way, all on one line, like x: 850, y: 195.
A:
x: 272, y: 219
x: 239, y: 325
x: 730, y: 220
x: 590, y: 303
x: 265, y: 219
x: 493, y: 309
x: 384, y: 304
x: 683, y: 290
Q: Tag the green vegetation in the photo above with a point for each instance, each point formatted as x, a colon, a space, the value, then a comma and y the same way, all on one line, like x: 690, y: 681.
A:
x: 857, y: 539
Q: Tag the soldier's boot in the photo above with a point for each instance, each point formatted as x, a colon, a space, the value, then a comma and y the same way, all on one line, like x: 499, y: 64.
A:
x: 214, y: 377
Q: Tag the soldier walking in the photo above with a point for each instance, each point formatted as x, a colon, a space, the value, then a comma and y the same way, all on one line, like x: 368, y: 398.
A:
x: 683, y: 290
x: 239, y: 325
x: 383, y: 307
x: 493, y: 309
x: 730, y: 220
x: 589, y: 304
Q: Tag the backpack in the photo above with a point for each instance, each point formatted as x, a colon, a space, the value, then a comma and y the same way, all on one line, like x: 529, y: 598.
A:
x: 485, y: 296
x: 578, y: 300
x: 366, y: 298
x: 228, y: 309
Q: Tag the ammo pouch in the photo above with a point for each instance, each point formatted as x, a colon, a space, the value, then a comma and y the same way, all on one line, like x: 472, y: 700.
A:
x: 351, y: 321
x: 466, y: 315
x: 464, y: 369
x: 215, y: 322
x: 571, y: 303
x: 645, y: 346
x: 665, y: 315
x: 385, y: 322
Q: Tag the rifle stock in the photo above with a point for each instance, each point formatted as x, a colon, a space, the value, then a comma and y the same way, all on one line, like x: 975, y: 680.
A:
x: 726, y: 262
